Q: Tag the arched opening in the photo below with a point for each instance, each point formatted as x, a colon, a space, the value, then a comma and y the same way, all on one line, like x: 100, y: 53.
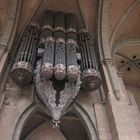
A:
x: 34, y: 124
x: 39, y: 127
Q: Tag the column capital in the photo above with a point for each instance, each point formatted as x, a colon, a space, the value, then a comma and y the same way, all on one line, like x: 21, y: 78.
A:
x: 108, y: 61
x: 120, y: 74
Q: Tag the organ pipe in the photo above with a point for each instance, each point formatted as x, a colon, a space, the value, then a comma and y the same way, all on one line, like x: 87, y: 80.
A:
x: 22, y: 70
x: 60, y: 50
x: 71, y: 45
x: 90, y: 76
x: 49, y: 45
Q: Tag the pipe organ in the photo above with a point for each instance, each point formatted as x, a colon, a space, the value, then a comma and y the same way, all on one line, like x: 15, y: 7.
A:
x: 59, y: 36
x: 90, y: 76
x: 59, y: 76
x: 49, y: 45
x: 71, y: 45
x: 22, y: 70
x: 60, y: 49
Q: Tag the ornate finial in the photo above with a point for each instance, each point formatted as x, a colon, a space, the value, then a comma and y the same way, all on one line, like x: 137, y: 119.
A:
x: 56, y: 124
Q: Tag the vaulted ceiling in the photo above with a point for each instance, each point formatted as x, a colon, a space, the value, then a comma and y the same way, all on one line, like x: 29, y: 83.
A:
x: 124, y: 37
x: 123, y: 26
x: 84, y: 10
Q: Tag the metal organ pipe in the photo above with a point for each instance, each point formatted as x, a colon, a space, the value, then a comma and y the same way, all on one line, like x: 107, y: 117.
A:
x: 47, y: 25
x: 22, y: 70
x: 57, y: 93
x: 49, y: 45
x: 57, y: 81
x: 71, y: 26
x: 59, y: 35
x: 59, y: 25
x: 90, y: 76
x: 71, y: 45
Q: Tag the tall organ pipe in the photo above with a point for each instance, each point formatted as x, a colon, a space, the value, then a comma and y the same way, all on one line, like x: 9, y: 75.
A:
x: 22, y: 70
x: 49, y: 44
x: 47, y: 25
x: 90, y: 76
x: 71, y: 45
x: 59, y: 35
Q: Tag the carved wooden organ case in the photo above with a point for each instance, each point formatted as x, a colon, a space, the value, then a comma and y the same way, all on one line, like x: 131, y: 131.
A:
x: 60, y: 58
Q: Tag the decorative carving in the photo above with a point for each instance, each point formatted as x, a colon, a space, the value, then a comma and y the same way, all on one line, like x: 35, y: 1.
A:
x: 59, y: 28
x: 72, y: 73
x: 47, y: 27
x: 22, y: 73
x: 47, y: 70
x: 90, y: 79
x: 48, y: 38
x: 56, y: 103
x: 54, y: 92
x: 71, y: 30
x: 57, y: 80
x: 59, y: 71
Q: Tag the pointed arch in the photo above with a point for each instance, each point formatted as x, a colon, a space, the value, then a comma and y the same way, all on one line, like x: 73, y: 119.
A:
x: 79, y: 111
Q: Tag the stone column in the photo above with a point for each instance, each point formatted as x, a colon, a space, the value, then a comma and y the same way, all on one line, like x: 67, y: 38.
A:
x: 121, y: 83
x: 8, y: 33
x: 119, y: 112
x: 6, y: 40
x: 112, y: 77
x: 102, y: 122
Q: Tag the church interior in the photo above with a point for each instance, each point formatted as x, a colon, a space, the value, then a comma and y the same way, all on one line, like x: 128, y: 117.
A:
x: 69, y: 70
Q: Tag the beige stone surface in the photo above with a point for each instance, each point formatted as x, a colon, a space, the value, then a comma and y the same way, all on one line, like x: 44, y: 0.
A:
x: 114, y: 24
x: 45, y: 132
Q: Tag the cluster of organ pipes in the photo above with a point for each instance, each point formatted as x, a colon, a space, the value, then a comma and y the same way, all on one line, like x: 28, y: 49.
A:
x: 59, y: 36
x: 90, y: 77
x: 61, y: 43
x: 51, y: 52
x: 23, y: 68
